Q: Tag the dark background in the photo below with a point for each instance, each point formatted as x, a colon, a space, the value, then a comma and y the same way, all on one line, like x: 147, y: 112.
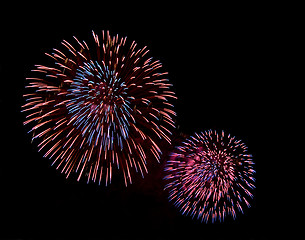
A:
x: 217, y: 58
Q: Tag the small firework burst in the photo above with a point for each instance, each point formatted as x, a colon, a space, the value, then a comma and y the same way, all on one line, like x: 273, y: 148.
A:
x: 210, y: 176
x: 99, y: 107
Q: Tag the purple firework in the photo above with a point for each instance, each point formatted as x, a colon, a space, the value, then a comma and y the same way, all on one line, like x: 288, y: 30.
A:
x: 210, y: 176
x: 100, y: 105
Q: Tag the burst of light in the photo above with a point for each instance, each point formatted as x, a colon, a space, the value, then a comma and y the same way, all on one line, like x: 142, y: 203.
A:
x: 210, y: 176
x: 95, y: 108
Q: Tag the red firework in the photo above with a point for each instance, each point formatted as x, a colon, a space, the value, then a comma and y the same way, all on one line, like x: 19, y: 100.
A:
x: 210, y: 176
x: 99, y: 107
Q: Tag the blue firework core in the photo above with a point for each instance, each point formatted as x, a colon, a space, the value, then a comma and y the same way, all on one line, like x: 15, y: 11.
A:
x: 96, y: 95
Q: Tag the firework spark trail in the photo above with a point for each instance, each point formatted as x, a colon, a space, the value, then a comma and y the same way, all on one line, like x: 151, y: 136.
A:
x: 210, y: 176
x: 99, y: 107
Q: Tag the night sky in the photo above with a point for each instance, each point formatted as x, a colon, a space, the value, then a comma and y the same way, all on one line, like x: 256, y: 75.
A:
x: 216, y: 61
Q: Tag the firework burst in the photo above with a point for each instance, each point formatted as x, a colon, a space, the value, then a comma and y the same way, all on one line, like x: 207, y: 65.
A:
x: 210, y: 176
x: 95, y: 108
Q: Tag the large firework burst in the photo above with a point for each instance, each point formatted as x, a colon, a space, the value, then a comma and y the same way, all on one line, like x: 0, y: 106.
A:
x: 99, y: 107
x: 210, y: 176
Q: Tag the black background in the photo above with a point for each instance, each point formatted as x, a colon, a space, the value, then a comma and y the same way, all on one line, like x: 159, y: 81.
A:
x: 216, y: 58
